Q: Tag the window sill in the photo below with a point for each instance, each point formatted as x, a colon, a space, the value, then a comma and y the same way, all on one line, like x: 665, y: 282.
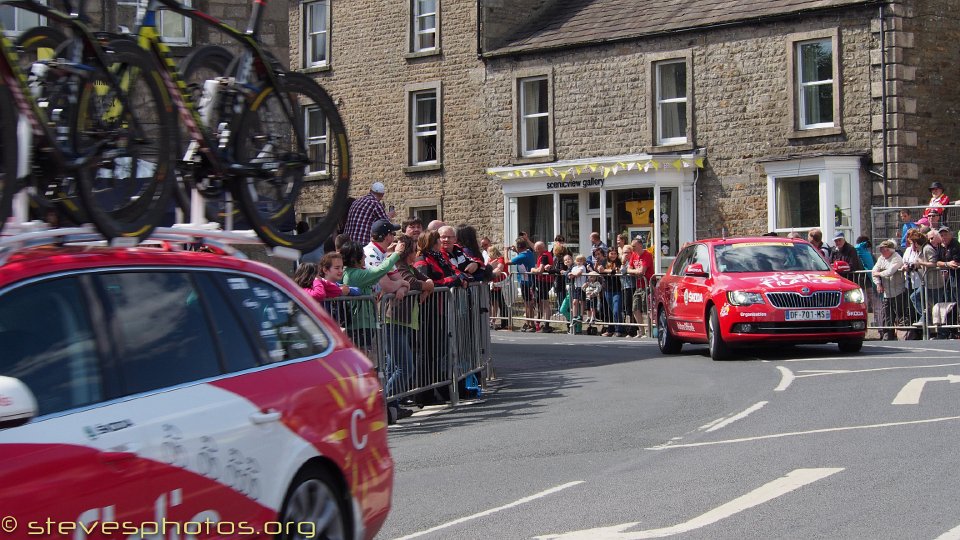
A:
x: 673, y: 147
x: 816, y: 132
x: 423, y: 168
x: 315, y: 69
x: 317, y: 177
x: 423, y: 54
x: 530, y: 160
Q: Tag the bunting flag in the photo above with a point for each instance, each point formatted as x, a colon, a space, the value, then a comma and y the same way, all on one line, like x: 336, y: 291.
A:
x: 576, y: 170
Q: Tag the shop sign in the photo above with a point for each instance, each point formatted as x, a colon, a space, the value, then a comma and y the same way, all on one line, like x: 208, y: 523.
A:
x: 583, y: 184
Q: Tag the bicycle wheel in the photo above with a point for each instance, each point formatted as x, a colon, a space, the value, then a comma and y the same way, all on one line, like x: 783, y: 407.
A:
x: 204, y: 63
x: 280, y: 141
x: 54, y: 191
x: 8, y: 153
x: 127, y: 191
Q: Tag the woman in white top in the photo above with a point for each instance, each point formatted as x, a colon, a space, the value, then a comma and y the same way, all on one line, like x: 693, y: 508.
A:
x: 889, y: 280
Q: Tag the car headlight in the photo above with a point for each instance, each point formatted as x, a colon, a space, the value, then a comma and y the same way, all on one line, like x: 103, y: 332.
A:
x: 854, y: 296
x: 741, y: 298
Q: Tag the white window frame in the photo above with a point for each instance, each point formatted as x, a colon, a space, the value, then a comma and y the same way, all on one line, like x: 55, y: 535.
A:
x: 18, y: 28
x: 141, y: 6
x: 829, y: 170
x: 309, y: 31
x: 801, y: 85
x: 321, y: 140
x: 419, y: 28
x: 421, y: 131
x: 522, y: 85
x: 660, y: 101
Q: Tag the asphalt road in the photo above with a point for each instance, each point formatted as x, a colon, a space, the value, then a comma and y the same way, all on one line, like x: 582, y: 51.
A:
x: 604, y: 438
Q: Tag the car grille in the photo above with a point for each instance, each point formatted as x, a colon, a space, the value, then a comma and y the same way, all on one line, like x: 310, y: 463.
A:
x: 819, y: 299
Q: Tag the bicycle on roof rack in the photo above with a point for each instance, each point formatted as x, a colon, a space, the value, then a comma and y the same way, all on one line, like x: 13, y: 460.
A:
x: 256, y: 134
x: 69, y: 120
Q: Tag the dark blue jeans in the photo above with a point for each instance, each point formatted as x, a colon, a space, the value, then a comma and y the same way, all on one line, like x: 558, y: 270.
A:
x: 614, y: 304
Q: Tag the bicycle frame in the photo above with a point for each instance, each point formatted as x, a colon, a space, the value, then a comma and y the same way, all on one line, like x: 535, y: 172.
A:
x: 149, y: 39
x: 16, y: 80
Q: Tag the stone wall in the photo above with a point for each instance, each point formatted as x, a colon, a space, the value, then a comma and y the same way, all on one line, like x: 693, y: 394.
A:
x: 740, y: 105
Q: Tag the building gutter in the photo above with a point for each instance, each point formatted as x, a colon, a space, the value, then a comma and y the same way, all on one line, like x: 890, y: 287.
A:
x: 524, y: 50
x: 883, y: 105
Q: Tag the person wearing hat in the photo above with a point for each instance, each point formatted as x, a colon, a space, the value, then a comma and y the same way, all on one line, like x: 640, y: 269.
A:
x: 890, y: 283
x: 938, y: 199
x: 364, y: 211
x: 845, y: 252
x: 383, y: 240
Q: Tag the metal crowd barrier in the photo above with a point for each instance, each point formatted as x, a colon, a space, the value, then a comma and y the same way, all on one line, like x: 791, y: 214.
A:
x: 439, y: 343
x: 917, y: 312
x: 557, y: 302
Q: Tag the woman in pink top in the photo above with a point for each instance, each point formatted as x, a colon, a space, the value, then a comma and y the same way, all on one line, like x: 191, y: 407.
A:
x: 321, y: 287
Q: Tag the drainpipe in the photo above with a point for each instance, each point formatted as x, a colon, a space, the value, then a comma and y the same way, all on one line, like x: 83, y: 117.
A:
x: 479, y: 42
x: 883, y: 103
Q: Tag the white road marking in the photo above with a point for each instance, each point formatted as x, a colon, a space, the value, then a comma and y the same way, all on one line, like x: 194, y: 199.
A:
x: 781, y: 486
x: 910, y: 393
x: 868, y: 356
x: 753, y: 408
x: 786, y: 377
x: 952, y: 534
x: 524, y: 500
x: 819, y: 372
x: 796, y: 433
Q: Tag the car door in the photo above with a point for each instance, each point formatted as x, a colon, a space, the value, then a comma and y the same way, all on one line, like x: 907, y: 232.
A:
x: 691, y: 292
x: 210, y: 444
x: 672, y: 283
x: 79, y: 461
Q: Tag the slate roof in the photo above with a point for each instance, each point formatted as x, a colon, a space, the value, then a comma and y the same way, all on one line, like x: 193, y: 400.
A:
x: 577, y: 22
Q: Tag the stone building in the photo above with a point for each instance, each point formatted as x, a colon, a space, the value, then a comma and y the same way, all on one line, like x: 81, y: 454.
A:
x: 670, y: 120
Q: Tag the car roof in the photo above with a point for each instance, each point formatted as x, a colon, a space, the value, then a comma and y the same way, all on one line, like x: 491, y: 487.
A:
x: 746, y: 239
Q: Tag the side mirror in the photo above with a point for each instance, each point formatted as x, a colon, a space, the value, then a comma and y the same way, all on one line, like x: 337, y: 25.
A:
x: 17, y: 404
x: 841, y: 267
x: 695, y: 269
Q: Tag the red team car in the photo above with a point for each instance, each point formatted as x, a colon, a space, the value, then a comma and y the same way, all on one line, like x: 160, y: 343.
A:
x: 737, y: 292
x: 160, y: 393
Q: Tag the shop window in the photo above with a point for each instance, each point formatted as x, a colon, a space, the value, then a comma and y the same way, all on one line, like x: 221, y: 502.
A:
x: 425, y: 128
x: 424, y: 25
x: 534, y: 120
x: 824, y: 195
x: 814, y: 73
x: 535, y: 217
x: 316, y: 48
x: 173, y: 28
x: 797, y: 202
x: 15, y: 20
x: 671, y: 100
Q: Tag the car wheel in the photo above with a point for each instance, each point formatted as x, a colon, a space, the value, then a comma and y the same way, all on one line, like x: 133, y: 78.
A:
x: 850, y: 345
x: 668, y: 343
x: 313, y: 508
x: 719, y: 350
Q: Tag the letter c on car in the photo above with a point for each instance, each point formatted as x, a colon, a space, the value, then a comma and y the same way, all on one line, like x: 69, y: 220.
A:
x: 362, y: 442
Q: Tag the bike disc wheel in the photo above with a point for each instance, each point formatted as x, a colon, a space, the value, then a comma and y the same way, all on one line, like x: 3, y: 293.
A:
x: 127, y: 190
x: 283, y: 142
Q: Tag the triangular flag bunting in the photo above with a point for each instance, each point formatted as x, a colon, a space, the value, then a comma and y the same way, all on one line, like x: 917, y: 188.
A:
x: 563, y: 175
x: 606, y: 172
x: 698, y: 162
x: 678, y: 164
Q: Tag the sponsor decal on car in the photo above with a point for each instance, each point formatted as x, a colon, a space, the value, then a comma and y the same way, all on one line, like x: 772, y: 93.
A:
x: 855, y: 314
x: 752, y: 314
x: 782, y: 281
x: 685, y: 326
x: 725, y: 310
x: 692, y: 297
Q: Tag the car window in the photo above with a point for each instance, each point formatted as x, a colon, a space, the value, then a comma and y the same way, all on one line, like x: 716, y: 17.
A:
x: 239, y: 350
x: 287, y: 331
x: 702, y: 256
x: 682, y: 261
x: 769, y: 257
x: 162, y: 334
x: 46, y: 341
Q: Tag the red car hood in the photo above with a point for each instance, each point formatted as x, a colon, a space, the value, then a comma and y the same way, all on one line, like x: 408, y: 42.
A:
x: 784, y: 281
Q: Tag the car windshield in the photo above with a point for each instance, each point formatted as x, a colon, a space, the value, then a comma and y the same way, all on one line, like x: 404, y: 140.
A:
x: 768, y: 257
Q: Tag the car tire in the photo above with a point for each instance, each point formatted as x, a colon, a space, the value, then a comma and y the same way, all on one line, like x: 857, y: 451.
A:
x: 719, y: 350
x: 313, y: 497
x: 850, y: 345
x: 669, y: 344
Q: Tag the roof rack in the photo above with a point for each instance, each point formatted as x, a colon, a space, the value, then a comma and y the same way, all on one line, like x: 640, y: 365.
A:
x: 37, y: 233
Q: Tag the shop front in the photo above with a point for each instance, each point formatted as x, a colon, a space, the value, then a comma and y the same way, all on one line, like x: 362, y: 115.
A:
x: 637, y: 195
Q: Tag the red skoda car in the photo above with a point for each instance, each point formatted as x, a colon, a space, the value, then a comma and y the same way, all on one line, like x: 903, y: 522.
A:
x: 735, y: 292
x: 160, y: 393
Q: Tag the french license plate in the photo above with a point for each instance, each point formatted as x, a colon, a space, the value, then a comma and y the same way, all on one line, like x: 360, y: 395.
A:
x: 808, y: 315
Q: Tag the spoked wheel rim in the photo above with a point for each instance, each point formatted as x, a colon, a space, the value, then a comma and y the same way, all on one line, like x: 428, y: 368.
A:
x: 313, y: 502
x: 662, y: 329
